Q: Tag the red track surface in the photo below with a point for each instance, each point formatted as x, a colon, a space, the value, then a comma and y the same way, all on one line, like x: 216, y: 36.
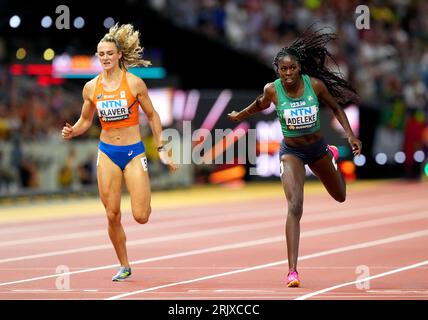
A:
x: 230, y: 251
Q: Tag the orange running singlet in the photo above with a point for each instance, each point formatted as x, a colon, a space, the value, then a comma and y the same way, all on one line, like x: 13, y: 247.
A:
x: 118, y: 108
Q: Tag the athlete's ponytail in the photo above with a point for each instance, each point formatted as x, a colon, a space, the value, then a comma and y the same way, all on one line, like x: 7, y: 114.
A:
x: 127, y: 41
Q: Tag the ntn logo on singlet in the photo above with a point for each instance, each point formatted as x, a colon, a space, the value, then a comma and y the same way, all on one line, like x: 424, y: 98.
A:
x: 301, y: 112
x: 106, y: 104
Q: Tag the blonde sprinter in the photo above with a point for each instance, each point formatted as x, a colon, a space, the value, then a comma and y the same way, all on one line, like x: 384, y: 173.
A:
x: 115, y: 94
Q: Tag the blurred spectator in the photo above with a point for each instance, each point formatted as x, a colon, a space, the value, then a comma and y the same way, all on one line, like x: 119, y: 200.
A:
x: 416, y: 94
x: 6, y: 177
x: 16, y: 157
x: 29, y: 173
x: 413, y: 141
x: 25, y: 167
x: 87, y: 171
x: 66, y: 172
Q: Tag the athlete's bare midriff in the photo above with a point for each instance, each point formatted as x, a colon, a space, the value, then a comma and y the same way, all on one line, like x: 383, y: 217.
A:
x: 303, y: 140
x: 121, y: 136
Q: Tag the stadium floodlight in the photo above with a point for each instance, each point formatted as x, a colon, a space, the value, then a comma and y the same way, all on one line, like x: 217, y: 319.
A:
x: 49, y: 54
x: 21, y: 53
x: 79, y: 23
x: 419, y: 156
x: 46, y: 22
x: 381, y: 158
x: 360, y: 160
x: 108, y: 22
x: 14, y: 21
x: 400, y: 157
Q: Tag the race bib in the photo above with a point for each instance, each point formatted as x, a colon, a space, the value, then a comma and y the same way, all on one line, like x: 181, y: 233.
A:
x: 301, y: 118
x: 144, y: 163
x: 113, y: 110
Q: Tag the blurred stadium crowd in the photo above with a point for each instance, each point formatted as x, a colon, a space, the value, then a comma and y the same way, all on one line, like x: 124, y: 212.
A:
x: 391, y: 58
x: 388, y: 63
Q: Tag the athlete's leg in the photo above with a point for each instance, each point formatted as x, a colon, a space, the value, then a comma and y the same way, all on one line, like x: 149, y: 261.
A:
x: 293, y: 180
x: 110, y: 188
x: 138, y: 184
x: 327, y: 171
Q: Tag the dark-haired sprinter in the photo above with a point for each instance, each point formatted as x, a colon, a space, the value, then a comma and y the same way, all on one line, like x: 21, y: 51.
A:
x: 303, y: 83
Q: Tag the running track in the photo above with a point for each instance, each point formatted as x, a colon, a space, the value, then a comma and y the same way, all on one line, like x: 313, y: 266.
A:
x: 221, y: 243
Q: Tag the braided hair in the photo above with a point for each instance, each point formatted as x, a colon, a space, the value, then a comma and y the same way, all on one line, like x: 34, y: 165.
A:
x: 311, y: 53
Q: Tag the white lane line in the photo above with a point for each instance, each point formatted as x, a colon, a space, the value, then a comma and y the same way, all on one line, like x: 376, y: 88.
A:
x: 398, y: 291
x: 228, y: 247
x: 180, y: 236
x: 158, y: 226
x: 164, y: 215
x: 159, y: 258
x: 380, y: 275
x: 407, y: 236
x: 216, y: 231
x: 371, y: 223
x: 205, y: 220
x: 46, y: 226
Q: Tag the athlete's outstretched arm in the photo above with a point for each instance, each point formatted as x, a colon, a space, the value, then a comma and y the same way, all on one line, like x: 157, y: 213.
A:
x: 325, y: 96
x: 154, y: 120
x: 262, y: 102
x: 86, y: 116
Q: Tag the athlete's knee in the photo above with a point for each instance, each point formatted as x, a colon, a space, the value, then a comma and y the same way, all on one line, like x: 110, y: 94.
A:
x: 295, y: 207
x: 113, y: 216
x: 142, y: 216
x: 142, y: 219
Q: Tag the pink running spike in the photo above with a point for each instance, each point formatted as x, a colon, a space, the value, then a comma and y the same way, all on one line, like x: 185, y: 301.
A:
x: 334, y: 151
x: 293, y: 279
